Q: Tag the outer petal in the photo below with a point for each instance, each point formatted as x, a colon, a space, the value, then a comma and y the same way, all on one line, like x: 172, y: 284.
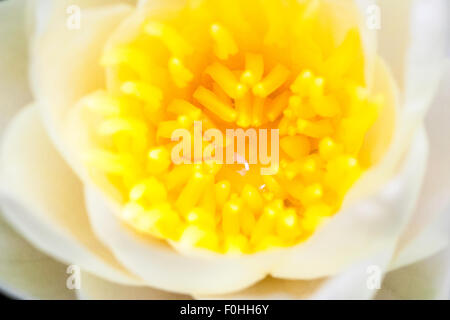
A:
x: 428, y: 230
x: 14, y: 91
x: 26, y: 272
x: 94, y: 288
x: 274, y: 289
x: 65, y: 63
x: 428, y: 279
x: 42, y: 199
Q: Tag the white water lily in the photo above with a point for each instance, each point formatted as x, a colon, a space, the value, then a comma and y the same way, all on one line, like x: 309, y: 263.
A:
x: 393, y: 219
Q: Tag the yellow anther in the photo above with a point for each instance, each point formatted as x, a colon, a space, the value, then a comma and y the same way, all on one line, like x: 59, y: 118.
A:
x: 131, y: 211
x: 102, y: 103
x: 295, y: 147
x: 183, y: 107
x: 315, y: 129
x: 211, y: 102
x: 254, y: 69
x: 201, y: 218
x: 176, y: 44
x: 302, y: 85
x: 166, y: 128
x: 244, y: 109
x: 236, y: 244
x: 178, y: 176
x: 230, y: 217
x: 192, y: 192
x: 247, y: 222
x: 158, y: 160
x: 311, y: 222
x: 258, y: 111
x: 127, y: 55
x: 180, y: 74
x: 145, y: 92
x: 208, y: 202
x: 318, y: 210
x: 351, y: 134
x: 274, y: 80
x: 116, y: 125
x: 192, y: 236
x: 317, y: 88
x: 226, y: 79
x: 311, y: 194
x: 287, y: 226
x: 328, y: 148
x: 342, y: 172
x: 150, y: 190
x: 265, y: 225
x: 224, y: 44
x: 273, y: 185
x: 108, y: 161
x: 327, y: 107
x: 252, y: 198
x: 170, y: 225
x: 300, y: 108
x: 222, y: 190
x: 276, y: 107
x: 308, y: 168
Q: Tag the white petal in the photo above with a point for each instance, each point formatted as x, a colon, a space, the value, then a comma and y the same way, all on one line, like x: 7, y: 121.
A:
x: 14, y: 90
x: 428, y: 279
x: 428, y: 229
x: 43, y: 200
x: 367, y: 231
x: 412, y: 41
x: 393, y: 36
x: 164, y: 268
x: 94, y: 288
x: 426, y: 53
x: 26, y: 272
x: 65, y: 65
x: 274, y: 289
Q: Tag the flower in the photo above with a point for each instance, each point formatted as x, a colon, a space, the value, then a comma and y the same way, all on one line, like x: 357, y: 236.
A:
x: 56, y: 194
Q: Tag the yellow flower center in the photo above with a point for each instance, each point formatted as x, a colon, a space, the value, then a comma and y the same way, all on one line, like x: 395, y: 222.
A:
x: 233, y: 64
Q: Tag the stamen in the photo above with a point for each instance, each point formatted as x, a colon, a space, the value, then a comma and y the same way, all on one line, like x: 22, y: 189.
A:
x: 182, y: 107
x: 254, y: 69
x: 237, y: 72
x: 225, y: 45
x: 171, y: 38
x: 226, y: 80
x: 275, y: 79
x: 211, y: 102
x: 180, y: 74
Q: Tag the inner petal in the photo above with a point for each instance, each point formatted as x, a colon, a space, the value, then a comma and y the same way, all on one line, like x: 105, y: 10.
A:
x: 233, y: 126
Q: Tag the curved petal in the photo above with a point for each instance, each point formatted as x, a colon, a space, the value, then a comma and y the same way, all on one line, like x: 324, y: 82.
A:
x: 247, y: 270
x: 26, y: 272
x: 376, y: 225
x: 14, y: 90
x: 430, y: 222
x: 274, y: 289
x: 428, y: 279
x: 42, y: 199
x: 65, y: 64
x: 393, y: 35
x: 94, y: 288
x: 164, y: 268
